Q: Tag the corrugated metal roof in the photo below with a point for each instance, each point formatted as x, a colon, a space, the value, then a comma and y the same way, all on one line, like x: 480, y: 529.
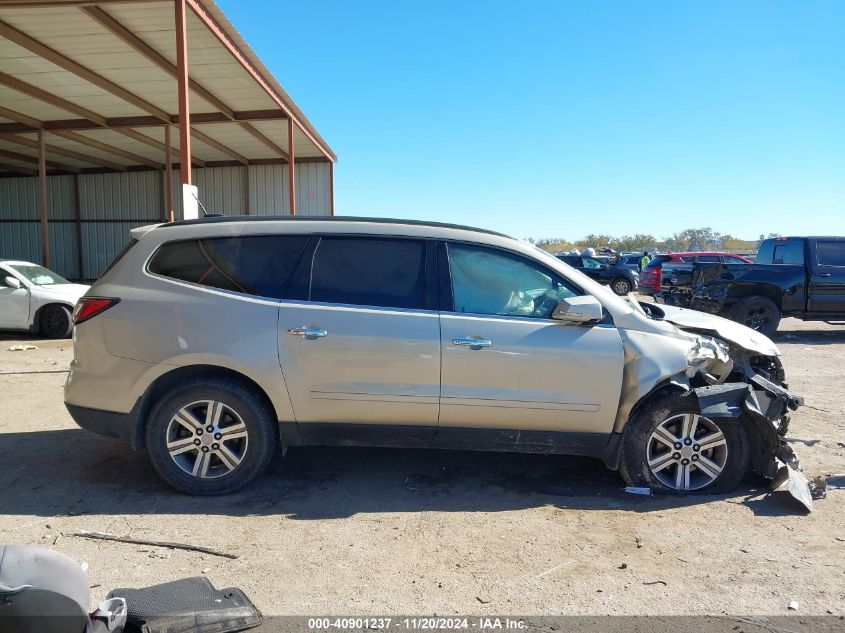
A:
x: 44, y: 87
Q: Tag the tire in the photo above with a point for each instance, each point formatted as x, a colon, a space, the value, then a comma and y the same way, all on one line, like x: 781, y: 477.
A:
x: 758, y: 313
x: 648, y: 461
x: 55, y: 321
x: 621, y: 286
x: 237, y: 450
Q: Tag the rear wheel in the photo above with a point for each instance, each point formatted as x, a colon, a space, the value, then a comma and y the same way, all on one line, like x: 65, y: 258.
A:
x: 670, y: 447
x: 758, y: 313
x: 55, y: 322
x: 210, y: 437
x: 621, y: 286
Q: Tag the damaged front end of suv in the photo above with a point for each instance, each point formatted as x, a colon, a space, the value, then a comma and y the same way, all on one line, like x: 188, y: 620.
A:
x: 726, y: 372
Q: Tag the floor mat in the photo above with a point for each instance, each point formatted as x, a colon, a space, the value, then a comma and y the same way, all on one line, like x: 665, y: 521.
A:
x: 190, y: 605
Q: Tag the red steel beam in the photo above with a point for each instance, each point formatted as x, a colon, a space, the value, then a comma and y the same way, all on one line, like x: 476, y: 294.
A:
x: 168, y: 176
x: 48, y: 97
x: 26, y: 158
x: 105, y: 147
x: 61, y: 151
x: 42, y: 200
x: 182, y: 85
x: 14, y: 169
x: 291, y: 170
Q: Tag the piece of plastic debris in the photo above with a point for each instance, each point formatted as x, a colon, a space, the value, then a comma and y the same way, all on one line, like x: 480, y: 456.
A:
x: 482, y: 601
x: 818, y: 488
x: 796, y: 482
x: 623, y: 566
x: 633, y: 490
x: 793, y: 605
x: 657, y: 582
x: 555, y: 568
x: 639, y: 542
x: 22, y: 348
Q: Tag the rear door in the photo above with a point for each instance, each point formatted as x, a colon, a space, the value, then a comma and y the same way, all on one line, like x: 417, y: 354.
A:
x: 827, y: 276
x: 359, y: 338
x: 508, y: 365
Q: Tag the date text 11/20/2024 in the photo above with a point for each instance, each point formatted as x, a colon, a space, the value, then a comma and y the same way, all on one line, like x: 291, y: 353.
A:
x: 418, y: 624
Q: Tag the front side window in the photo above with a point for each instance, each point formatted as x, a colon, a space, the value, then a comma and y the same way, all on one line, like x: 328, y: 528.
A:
x: 258, y: 265
x: 708, y: 259
x: 831, y: 253
x: 369, y: 271
x: 38, y: 275
x: 488, y: 281
x: 589, y: 262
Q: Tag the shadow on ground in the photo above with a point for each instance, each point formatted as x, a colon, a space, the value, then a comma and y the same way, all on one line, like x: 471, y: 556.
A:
x: 48, y: 473
x: 810, y: 337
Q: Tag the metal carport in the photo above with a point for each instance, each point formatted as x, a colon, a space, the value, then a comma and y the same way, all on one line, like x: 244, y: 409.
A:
x: 102, y: 102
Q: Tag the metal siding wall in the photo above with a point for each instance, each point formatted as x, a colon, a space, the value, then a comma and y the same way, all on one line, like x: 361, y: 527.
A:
x: 112, y: 203
x: 268, y: 189
x: 21, y: 239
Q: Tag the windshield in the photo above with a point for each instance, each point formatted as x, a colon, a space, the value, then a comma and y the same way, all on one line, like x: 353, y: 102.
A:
x: 38, y: 275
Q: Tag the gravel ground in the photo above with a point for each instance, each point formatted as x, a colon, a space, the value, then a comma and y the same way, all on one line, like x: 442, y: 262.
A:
x: 361, y: 531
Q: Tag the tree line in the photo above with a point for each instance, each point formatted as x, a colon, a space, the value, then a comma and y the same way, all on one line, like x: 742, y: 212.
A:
x: 696, y: 239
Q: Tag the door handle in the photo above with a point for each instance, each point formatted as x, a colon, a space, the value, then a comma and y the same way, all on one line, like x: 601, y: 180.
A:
x: 823, y: 274
x: 472, y: 342
x: 307, y: 332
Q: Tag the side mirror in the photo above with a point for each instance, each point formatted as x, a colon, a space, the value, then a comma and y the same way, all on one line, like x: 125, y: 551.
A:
x: 578, y: 310
x: 12, y: 282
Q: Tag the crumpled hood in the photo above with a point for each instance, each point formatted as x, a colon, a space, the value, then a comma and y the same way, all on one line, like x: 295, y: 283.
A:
x: 724, y: 328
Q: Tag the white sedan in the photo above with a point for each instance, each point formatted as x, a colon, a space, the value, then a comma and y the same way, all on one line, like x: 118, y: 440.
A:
x: 36, y: 299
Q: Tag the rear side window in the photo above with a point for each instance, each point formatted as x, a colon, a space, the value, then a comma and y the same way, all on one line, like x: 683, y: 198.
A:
x: 830, y: 253
x: 657, y: 261
x: 257, y: 265
x: 708, y: 259
x: 781, y: 251
x: 382, y: 272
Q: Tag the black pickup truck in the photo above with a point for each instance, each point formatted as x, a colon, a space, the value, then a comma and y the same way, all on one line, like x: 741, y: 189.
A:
x: 801, y: 277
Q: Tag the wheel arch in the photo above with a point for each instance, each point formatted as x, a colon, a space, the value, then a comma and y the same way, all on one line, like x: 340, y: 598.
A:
x: 738, y: 291
x: 669, y: 386
x: 36, y: 317
x: 179, y: 375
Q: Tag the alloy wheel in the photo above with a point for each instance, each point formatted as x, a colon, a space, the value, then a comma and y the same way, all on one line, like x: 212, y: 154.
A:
x: 757, y: 318
x: 687, y: 452
x: 621, y: 287
x: 207, y: 439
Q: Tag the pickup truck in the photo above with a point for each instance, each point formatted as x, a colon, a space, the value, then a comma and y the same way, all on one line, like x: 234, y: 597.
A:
x: 801, y: 277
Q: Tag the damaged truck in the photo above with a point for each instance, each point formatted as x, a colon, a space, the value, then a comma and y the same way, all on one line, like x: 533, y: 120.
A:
x: 801, y: 277
x: 211, y: 343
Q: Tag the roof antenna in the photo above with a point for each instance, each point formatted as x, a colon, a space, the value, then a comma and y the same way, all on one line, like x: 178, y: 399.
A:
x: 205, y: 212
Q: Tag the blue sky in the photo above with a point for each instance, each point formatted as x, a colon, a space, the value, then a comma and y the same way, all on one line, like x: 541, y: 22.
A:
x: 560, y: 118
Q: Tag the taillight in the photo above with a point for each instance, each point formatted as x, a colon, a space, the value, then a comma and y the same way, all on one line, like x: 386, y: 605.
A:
x: 89, y: 307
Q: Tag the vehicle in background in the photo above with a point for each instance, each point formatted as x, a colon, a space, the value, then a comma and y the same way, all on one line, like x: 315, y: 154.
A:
x: 36, y: 299
x: 620, y: 280
x: 630, y: 262
x: 668, y: 277
x: 801, y: 277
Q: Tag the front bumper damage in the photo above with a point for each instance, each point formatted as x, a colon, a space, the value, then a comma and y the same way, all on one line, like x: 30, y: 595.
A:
x: 766, y: 405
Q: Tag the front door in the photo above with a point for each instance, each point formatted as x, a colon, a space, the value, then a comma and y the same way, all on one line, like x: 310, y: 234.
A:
x: 827, y: 278
x: 507, y: 365
x: 14, y: 305
x: 363, y: 349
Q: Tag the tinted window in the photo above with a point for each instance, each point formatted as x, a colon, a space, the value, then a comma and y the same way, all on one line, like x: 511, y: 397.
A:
x: 257, y: 265
x: 781, y: 251
x: 572, y: 260
x: 730, y: 259
x: 369, y: 271
x: 487, y: 281
x: 657, y: 261
x: 831, y: 253
x: 708, y: 259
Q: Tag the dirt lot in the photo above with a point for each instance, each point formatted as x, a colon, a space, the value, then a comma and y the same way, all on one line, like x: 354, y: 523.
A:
x: 357, y: 531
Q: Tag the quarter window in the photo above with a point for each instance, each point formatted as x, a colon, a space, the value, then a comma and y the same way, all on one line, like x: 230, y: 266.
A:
x: 488, y: 281
x: 257, y: 265
x: 383, y: 272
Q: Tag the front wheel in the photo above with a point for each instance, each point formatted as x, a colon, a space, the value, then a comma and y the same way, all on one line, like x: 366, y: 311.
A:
x: 210, y: 437
x: 670, y: 447
x: 621, y: 286
x: 55, y: 322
